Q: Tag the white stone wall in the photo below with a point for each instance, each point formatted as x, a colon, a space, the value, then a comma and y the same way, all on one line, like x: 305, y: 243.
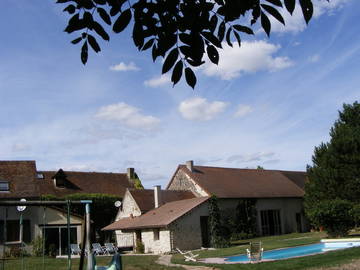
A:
x: 129, y: 207
x: 162, y: 245
x: 182, y: 181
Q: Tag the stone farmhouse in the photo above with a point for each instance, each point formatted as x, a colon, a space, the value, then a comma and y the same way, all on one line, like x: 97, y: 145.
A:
x: 21, y: 179
x: 184, y: 223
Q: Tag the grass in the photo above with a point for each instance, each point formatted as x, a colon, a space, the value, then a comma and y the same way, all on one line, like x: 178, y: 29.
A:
x: 129, y: 263
x: 322, y: 261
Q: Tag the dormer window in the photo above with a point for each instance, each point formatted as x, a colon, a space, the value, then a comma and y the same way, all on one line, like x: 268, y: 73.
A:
x: 60, y: 179
x: 4, y: 186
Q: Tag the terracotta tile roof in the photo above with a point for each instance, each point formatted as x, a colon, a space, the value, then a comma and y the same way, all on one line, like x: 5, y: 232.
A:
x: 21, y: 176
x: 144, y: 198
x: 85, y: 182
x: 24, y: 183
x: 158, y: 217
x: 247, y: 183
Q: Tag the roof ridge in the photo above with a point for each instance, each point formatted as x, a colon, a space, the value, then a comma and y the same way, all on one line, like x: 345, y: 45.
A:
x: 249, y: 169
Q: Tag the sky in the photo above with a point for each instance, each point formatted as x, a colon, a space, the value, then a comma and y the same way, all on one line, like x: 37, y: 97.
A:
x: 267, y: 103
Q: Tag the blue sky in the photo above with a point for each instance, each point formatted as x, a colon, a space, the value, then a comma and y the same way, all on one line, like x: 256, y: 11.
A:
x: 268, y: 103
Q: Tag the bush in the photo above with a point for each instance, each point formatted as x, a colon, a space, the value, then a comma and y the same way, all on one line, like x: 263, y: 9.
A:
x: 16, y: 252
x: 52, y: 250
x: 140, y: 248
x: 37, y: 246
x: 333, y: 215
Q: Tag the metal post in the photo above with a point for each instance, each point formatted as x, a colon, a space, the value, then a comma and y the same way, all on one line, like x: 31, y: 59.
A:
x: 90, y: 263
x: 69, y: 236
x: 5, y: 236
x: 21, y: 241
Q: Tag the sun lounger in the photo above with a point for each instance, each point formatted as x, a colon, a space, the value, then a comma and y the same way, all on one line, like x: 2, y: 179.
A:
x: 98, y: 249
x: 188, y: 255
x: 75, y: 249
x: 110, y: 248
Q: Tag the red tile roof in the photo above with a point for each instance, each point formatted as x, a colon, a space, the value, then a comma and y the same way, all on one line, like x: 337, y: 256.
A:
x: 158, y: 217
x: 24, y: 183
x: 144, y: 198
x: 247, y: 183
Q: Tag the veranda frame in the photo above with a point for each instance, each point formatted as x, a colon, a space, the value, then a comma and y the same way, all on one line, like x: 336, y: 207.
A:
x: 67, y: 203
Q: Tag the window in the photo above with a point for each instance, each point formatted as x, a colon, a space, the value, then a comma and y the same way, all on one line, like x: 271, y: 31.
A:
x: 4, y: 186
x: 40, y: 176
x: 156, y: 234
x: 13, y: 231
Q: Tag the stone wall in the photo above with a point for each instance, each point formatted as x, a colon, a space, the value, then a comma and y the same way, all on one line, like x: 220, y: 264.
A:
x: 129, y: 207
x: 182, y: 181
x: 156, y: 246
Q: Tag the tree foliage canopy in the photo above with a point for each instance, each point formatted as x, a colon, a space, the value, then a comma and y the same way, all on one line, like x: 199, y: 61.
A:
x: 334, y: 178
x: 180, y: 31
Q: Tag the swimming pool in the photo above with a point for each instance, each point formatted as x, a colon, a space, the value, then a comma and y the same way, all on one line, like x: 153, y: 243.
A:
x: 291, y: 252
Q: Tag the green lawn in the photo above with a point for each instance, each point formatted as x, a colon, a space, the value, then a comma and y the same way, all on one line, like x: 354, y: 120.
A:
x: 129, y: 263
x: 322, y: 260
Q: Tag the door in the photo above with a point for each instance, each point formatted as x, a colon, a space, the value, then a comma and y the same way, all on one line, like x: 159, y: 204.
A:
x: 298, y: 222
x: 270, y: 222
x: 204, y: 225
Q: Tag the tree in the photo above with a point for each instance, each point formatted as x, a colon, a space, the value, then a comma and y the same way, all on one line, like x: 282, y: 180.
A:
x: 180, y: 31
x: 332, y: 194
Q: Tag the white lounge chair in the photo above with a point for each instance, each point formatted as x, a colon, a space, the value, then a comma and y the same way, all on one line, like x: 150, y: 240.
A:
x: 75, y: 249
x: 255, y: 252
x: 110, y: 248
x: 188, y: 255
x: 98, y: 249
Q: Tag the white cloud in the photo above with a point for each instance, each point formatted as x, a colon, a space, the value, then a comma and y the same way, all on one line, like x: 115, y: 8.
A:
x: 127, y: 115
x: 296, y: 22
x: 158, y: 81
x: 250, y: 157
x: 314, y: 58
x: 250, y: 57
x: 200, y: 109
x: 243, y: 110
x: 125, y: 67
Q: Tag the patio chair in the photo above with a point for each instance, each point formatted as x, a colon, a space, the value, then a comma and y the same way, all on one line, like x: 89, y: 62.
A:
x: 255, y: 252
x: 75, y: 249
x: 188, y: 255
x: 110, y: 248
x: 98, y: 249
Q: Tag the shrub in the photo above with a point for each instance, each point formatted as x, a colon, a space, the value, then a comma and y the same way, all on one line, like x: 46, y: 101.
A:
x: 333, y: 215
x: 140, y: 248
x: 52, y: 250
x: 37, y: 246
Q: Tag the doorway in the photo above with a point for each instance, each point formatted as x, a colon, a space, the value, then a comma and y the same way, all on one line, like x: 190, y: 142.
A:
x: 56, y: 239
x: 270, y: 222
x: 204, y: 225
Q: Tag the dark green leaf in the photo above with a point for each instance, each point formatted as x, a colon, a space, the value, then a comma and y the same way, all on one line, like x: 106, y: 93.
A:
x: 290, y: 5
x: 77, y: 40
x: 62, y: 1
x: 154, y: 52
x: 265, y: 23
x: 185, y: 38
x: 213, y: 54
x: 275, y: 2
x: 100, y: 31
x: 237, y: 36
x: 170, y: 60
x: 213, y: 39
x: 221, y: 31
x: 122, y: 21
x: 244, y: 29
x: 307, y: 9
x: 93, y: 43
x: 186, y: 51
x: 100, y: 2
x: 190, y: 77
x: 84, y: 53
x: 148, y: 44
x: 177, y: 72
x: 104, y: 16
x: 273, y: 12
x: 70, y: 9
x: 228, y: 39
x: 138, y: 36
x: 213, y: 23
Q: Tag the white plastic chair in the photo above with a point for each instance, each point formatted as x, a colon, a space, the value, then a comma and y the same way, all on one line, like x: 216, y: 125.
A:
x: 188, y: 255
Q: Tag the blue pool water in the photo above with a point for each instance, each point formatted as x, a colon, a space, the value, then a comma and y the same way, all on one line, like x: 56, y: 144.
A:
x: 286, y: 253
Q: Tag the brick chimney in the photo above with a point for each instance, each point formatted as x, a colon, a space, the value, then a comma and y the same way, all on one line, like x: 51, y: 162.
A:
x: 130, y: 173
x: 157, y: 196
x: 190, y: 165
